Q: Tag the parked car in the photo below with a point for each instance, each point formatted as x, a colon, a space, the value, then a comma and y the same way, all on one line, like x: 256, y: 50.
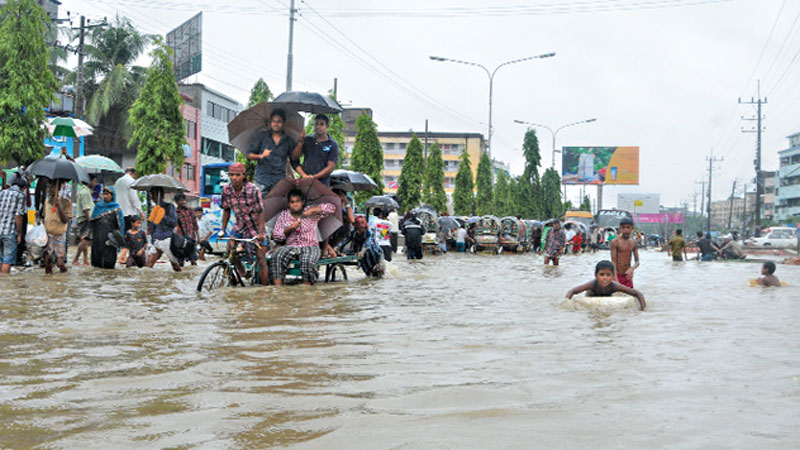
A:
x: 775, y: 237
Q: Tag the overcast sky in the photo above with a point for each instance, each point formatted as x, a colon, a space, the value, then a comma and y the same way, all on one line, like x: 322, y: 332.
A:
x: 661, y: 75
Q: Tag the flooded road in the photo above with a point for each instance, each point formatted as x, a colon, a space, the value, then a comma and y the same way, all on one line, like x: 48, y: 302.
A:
x: 458, y: 351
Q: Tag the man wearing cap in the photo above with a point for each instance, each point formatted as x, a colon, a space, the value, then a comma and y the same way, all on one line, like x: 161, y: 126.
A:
x: 244, y: 198
x: 320, y: 152
x: 128, y: 202
x: 270, y: 149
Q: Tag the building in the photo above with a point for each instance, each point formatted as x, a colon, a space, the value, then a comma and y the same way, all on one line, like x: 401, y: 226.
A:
x: 217, y: 111
x: 733, y: 214
x: 50, y: 7
x: 787, y: 196
x: 350, y: 115
x: 394, y: 145
x: 499, y: 166
x: 190, y: 172
x: 768, y: 207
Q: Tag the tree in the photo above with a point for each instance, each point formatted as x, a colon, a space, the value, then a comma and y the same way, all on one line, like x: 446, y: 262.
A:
x: 531, y: 184
x: 411, y: 175
x: 111, y: 52
x: 464, y: 194
x: 483, y: 201
x: 551, y: 193
x: 433, y: 190
x: 249, y: 165
x: 335, y: 131
x: 26, y: 82
x: 158, y: 127
x: 368, y: 155
x: 260, y: 93
x: 586, y: 205
x: 501, y: 207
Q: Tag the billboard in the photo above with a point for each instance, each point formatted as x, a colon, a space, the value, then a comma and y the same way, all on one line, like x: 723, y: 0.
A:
x: 600, y: 165
x: 664, y: 217
x: 187, y: 49
x: 639, y: 203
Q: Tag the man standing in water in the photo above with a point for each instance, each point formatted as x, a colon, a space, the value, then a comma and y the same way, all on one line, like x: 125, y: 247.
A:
x: 270, y: 149
x: 621, y: 250
x: 554, y: 243
x: 677, y: 246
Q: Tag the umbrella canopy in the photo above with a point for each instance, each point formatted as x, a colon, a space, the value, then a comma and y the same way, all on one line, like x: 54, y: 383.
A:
x: 448, y: 223
x: 244, y: 128
x: 316, y: 193
x: 473, y: 219
x: 69, y: 127
x: 161, y: 180
x: 308, y: 102
x: 351, y: 181
x: 381, y: 201
x: 98, y: 163
x: 58, y: 168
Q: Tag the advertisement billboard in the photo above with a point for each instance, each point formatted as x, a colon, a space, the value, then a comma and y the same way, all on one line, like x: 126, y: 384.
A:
x: 639, y: 203
x: 186, y: 43
x: 665, y: 217
x: 600, y: 165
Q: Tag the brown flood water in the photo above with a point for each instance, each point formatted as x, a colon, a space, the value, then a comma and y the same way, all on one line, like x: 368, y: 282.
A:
x: 452, y: 352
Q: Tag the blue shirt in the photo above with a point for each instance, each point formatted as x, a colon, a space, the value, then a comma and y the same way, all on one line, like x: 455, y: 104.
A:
x: 271, y: 169
x: 317, y: 155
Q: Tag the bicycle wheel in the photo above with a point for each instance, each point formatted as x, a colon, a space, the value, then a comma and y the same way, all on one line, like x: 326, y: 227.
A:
x: 218, y: 275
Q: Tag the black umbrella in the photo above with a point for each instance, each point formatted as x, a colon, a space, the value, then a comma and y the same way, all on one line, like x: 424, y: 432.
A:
x: 58, y: 168
x: 159, y: 180
x: 308, y: 102
x: 351, y: 181
x: 381, y: 201
x: 448, y: 223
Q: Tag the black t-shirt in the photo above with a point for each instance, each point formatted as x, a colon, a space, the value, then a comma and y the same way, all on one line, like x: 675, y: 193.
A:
x: 705, y: 246
x: 317, y: 154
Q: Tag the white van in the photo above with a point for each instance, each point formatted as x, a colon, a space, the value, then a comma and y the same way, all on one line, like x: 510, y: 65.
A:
x: 776, y: 237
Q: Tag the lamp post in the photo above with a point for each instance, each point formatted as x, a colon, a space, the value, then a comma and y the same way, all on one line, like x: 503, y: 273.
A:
x: 554, y: 133
x: 491, y: 74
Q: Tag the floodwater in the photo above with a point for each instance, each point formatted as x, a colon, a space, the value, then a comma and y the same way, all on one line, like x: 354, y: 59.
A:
x: 453, y: 352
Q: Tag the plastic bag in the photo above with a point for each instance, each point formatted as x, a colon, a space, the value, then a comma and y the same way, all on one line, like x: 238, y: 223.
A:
x: 36, y: 236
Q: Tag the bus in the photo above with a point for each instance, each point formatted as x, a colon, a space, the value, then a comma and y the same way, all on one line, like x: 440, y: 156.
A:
x: 213, y: 177
x: 611, y: 217
x: 584, y: 217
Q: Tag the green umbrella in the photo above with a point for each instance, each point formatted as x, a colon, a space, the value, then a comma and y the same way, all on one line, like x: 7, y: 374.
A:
x: 69, y: 127
x: 98, y: 163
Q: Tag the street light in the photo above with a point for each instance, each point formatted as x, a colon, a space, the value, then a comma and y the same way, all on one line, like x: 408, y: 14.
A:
x: 554, y: 133
x: 491, y: 79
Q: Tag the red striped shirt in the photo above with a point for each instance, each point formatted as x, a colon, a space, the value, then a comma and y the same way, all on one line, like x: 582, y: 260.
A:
x: 306, y: 234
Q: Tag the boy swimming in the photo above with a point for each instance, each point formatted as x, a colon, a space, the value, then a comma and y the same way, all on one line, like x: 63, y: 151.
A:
x: 769, y: 279
x: 604, y: 285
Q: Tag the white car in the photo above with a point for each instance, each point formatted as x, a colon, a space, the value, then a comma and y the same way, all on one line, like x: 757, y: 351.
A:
x: 776, y: 237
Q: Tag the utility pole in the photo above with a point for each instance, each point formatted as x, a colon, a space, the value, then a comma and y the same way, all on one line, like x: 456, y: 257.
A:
x: 702, y: 184
x: 744, y: 209
x: 335, y: 87
x: 711, y: 160
x: 730, y: 209
x: 426, y: 140
x: 290, y: 57
x: 759, y: 182
x: 79, y: 78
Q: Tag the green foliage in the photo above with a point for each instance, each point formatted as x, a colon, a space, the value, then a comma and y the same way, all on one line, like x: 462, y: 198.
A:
x: 586, y: 205
x: 158, y: 127
x: 533, y: 201
x: 410, y: 183
x: 260, y: 93
x: 26, y: 82
x: 484, y: 198
x: 433, y: 189
x: 368, y: 155
x: 249, y: 165
x: 551, y: 193
x: 335, y: 131
x: 464, y: 195
x: 502, y: 203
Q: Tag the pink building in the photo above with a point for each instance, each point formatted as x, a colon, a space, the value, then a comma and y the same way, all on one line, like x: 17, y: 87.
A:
x: 190, y: 172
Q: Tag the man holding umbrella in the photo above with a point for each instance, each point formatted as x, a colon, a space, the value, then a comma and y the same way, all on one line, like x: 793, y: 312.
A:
x: 270, y: 149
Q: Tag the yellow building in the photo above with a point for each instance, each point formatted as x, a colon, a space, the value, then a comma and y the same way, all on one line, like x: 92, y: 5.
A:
x: 394, y: 145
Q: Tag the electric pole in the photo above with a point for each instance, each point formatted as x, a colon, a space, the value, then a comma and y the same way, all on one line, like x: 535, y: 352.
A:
x: 759, y: 182
x: 711, y: 160
x: 290, y: 57
x: 702, y: 183
x: 730, y: 209
x: 744, y: 209
x: 79, y: 77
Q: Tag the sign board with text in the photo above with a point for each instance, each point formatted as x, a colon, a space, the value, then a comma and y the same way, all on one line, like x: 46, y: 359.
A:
x: 639, y: 203
x: 186, y: 43
x: 600, y: 165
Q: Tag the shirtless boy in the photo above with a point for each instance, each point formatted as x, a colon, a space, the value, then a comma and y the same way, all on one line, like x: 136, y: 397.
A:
x: 621, y: 250
x: 769, y: 279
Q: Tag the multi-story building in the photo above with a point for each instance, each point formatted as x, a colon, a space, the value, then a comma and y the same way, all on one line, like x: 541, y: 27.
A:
x: 394, y: 145
x: 217, y: 111
x: 739, y: 212
x: 787, y: 196
x: 768, y: 178
x: 190, y: 172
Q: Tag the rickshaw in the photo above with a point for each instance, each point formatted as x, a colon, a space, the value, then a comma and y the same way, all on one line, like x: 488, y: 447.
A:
x: 487, y: 234
x: 530, y: 226
x: 430, y: 220
x: 512, y: 234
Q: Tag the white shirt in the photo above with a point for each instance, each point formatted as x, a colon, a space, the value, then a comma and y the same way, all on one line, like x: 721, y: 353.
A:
x: 461, y: 235
x: 381, y: 229
x: 394, y: 219
x: 570, y: 235
x: 126, y: 197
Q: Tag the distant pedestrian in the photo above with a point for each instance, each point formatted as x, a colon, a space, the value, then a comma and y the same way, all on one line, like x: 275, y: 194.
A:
x: 381, y: 229
x: 136, y: 242
x: 623, y: 249
x: 394, y: 219
x: 106, y: 219
x: 161, y: 223
x: 206, y: 229
x: 708, y: 250
x: 677, y: 246
x: 13, y: 214
x: 413, y: 231
x: 57, y: 213
x: 461, y: 239
x: 128, y: 201
x: 187, y: 226
x: 84, y: 206
x: 554, y: 244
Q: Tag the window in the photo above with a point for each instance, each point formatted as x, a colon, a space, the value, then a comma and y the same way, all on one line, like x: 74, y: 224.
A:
x: 191, y: 129
x: 188, y: 172
x: 220, y: 112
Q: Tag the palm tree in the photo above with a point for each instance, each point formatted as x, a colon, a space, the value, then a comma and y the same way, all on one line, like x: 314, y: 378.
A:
x: 112, y: 81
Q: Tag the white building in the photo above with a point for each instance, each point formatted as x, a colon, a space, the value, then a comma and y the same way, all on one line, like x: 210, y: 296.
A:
x: 218, y: 110
x: 787, y: 197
